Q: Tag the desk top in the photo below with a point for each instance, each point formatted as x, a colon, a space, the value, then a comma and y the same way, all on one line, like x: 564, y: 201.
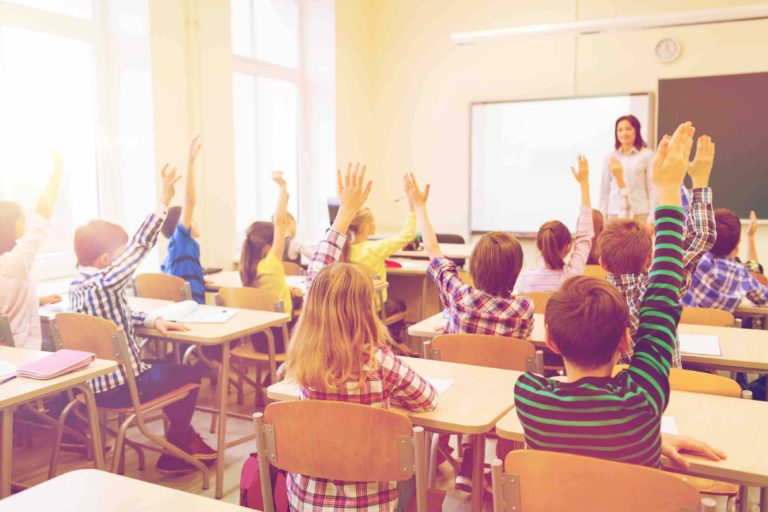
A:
x: 409, y: 267
x: 741, y: 349
x: 90, y: 490
x: 21, y: 389
x: 231, y: 279
x: 244, y: 323
x: 477, y: 399
x: 733, y: 425
x: 454, y: 251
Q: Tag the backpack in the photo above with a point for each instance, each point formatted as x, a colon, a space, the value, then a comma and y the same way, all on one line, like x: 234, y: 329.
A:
x: 250, y: 486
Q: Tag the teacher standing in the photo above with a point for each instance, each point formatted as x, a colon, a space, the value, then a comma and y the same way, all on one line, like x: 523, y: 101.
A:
x: 625, y: 190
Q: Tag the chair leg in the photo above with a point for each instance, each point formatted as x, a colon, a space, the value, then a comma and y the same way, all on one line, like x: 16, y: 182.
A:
x: 434, y: 438
x: 241, y: 366
x: 421, y: 469
x: 117, y: 459
x: 57, y: 440
x: 176, y: 452
x: 496, y: 471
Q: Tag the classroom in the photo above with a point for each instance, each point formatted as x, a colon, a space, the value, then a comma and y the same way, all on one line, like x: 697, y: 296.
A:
x: 401, y: 255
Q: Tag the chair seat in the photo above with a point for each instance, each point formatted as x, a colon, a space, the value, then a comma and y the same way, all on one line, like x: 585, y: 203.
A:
x: 707, y: 486
x: 248, y: 352
x: 183, y: 390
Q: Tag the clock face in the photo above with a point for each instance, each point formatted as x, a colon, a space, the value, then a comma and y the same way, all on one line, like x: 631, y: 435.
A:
x: 668, y: 49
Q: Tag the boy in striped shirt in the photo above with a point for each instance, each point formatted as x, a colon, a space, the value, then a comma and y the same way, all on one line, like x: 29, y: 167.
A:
x: 594, y: 414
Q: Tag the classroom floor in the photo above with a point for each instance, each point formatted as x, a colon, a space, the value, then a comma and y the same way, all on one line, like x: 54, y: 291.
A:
x: 30, y: 464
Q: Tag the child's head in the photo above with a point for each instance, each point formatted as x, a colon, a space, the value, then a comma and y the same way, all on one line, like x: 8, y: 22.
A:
x: 597, y: 223
x: 258, y: 242
x: 625, y: 247
x: 99, y: 243
x: 495, y: 263
x: 12, y: 225
x: 554, y: 242
x: 728, y: 233
x: 361, y: 227
x: 586, y: 322
x: 338, y: 330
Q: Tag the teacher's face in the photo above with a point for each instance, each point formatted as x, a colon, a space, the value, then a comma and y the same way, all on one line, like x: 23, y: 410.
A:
x: 625, y: 133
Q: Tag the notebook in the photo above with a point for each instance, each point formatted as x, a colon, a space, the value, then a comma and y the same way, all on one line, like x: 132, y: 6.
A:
x: 441, y: 385
x: 56, y: 364
x: 701, y: 344
x: 7, y: 371
x: 189, y: 312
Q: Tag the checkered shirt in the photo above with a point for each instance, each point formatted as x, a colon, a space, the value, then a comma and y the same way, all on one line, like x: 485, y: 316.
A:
x: 723, y: 283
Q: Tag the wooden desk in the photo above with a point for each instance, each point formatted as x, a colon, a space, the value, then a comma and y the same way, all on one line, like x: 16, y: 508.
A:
x: 411, y: 285
x: 244, y: 323
x: 452, y: 251
x: 748, y: 310
x: 478, y: 398
x: 741, y: 349
x: 89, y: 490
x: 21, y: 390
x: 736, y: 426
x: 231, y: 279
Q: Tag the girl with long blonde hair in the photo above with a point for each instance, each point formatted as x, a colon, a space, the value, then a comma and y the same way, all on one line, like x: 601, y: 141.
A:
x: 339, y: 351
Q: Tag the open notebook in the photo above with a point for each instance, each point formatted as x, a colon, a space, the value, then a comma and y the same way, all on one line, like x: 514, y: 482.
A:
x: 189, y: 312
x: 60, y: 362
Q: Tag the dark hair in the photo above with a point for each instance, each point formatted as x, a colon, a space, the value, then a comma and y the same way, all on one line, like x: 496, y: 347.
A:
x: 587, y: 318
x: 625, y: 246
x: 257, y: 236
x: 597, y: 224
x: 552, y: 238
x: 635, y: 122
x: 171, y: 221
x: 96, y: 238
x: 495, y: 263
x: 728, y: 232
x: 10, y: 212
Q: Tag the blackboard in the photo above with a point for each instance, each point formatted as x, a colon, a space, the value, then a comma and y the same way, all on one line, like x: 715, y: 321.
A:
x: 733, y: 110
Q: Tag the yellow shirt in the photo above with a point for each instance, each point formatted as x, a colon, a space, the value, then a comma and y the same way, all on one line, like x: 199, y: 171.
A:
x: 271, y: 275
x: 372, y: 253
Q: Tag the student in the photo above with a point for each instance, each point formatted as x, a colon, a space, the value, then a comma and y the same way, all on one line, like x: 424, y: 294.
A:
x: 489, y: 307
x: 339, y: 352
x: 294, y: 247
x: 371, y: 254
x: 183, y: 258
x: 20, y: 240
x: 598, y: 223
x: 626, y: 245
x: 721, y: 281
x: 554, y: 242
x: 594, y: 414
x: 107, y: 260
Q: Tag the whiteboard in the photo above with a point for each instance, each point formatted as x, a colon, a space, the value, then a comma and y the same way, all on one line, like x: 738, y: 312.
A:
x: 522, y: 152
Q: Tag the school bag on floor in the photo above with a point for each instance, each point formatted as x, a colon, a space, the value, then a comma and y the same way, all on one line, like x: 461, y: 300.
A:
x: 250, y: 486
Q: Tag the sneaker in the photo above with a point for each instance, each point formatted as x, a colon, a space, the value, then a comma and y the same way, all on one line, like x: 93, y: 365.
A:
x: 464, y: 476
x: 198, y: 448
x: 170, y: 465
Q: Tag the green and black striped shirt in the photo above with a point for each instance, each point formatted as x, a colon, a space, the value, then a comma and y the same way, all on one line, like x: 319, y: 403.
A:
x: 617, y: 418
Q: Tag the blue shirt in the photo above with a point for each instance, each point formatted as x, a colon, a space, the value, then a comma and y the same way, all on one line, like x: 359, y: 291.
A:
x: 183, y: 260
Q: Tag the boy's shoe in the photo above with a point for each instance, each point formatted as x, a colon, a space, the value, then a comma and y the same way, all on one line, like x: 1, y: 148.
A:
x: 198, y: 448
x: 170, y: 465
x: 464, y: 476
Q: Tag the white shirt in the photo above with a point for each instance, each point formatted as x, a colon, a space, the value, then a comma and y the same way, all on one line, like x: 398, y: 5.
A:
x: 18, y: 291
x: 637, y: 176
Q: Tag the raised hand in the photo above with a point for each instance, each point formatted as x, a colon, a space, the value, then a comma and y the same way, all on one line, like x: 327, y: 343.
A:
x: 701, y: 167
x: 582, y: 174
x: 277, y: 177
x: 670, y: 164
x: 353, y: 191
x: 169, y: 179
x: 617, y: 171
x: 752, y: 229
x: 416, y: 196
x: 194, y: 148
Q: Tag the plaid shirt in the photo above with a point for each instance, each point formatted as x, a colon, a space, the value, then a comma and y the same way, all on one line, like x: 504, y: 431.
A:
x: 101, y: 292
x: 390, y: 381
x: 476, y: 312
x: 723, y: 283
x: 699, y: 237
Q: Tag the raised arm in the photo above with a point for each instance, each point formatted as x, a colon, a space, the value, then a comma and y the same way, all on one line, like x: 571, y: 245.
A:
x: 190, y: 198
x: 281, y: 216
x: 605, y: 187
x: 418, y: 199
x: 700, y: 217
x: 353, y: 191
x: 751, y: 232
x: 585, y: 230
x: 617, y: 171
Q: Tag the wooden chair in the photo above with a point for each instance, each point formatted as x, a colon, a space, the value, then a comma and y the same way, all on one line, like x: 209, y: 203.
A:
x: 761, y: 278
x: 502, y: 352
x: 339, y: 441
x: 595, y: 271
x: 539, y: 481
x: 707, y: 316
x: 245, y: 354
x: 92, y: 334
x: 162, y: 286
x: 539, y: 299
x: 292, y: 269
x: 6, y: 334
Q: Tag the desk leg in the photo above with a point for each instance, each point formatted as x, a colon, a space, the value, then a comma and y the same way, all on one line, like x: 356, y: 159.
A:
x: 6, y: 452
x: 478, y: 456
x: 764, y: 499
x: 223, y: 388
x: 93, y: 422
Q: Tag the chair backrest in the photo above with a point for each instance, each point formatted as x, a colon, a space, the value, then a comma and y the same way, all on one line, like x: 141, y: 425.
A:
x: 707, y: 316
x: 698, y: 382
x: 76, y: 331
x: 249, y: 298
x: 6, y: 334
x: 595, y: 271
x: 538, y: 481
x: 448, y: 238
x: 162, y: 286
x: 292, y: 269
x: 539, y: 299
x: 502, y: 352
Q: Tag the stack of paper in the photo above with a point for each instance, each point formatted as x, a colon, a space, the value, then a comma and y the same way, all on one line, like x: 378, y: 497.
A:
x: 7, y: 371
x: 189, y: 311
x: 441, y: 385
x: 669, y: 425
x: 700, y: 344
x: 56, y: 364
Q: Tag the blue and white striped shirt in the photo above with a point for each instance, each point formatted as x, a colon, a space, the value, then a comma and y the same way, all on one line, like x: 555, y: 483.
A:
x: 101, y: 292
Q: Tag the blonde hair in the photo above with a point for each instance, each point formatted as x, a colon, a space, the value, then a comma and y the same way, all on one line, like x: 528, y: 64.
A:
x: 362, y: 218
x: 338, y: 331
